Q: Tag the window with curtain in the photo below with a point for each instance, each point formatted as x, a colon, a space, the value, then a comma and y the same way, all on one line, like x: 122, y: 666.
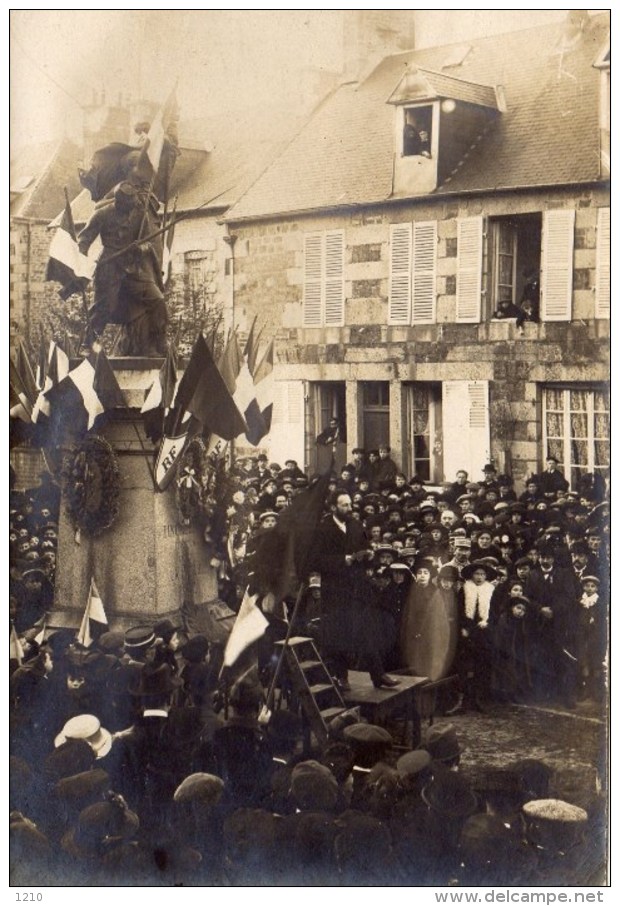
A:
x: 577, y: 429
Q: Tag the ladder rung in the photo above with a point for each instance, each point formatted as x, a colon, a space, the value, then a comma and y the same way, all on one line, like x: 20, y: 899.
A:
x: 296, y: 640
x: 320, y: 687
x: 328, y: 713
x: 307, y: 665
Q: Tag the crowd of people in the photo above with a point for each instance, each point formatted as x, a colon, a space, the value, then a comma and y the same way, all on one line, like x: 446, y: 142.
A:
x: 129, y: 766
x: 527, y: 576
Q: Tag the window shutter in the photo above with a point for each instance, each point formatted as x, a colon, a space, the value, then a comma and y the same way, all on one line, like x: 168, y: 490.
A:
x: 399, y: 305
x: 424, y: 272
x: 603, y: 289
x: 557, y: 265
x: 334, y: 278
x: 469, y: 270
x: 313, y: 275
x: 465, y: 419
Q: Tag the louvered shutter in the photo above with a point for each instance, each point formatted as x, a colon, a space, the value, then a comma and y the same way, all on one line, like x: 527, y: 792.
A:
x: 424, y: 272
x: 603, y: 288
x: 334, y: 278
x: 556, y: 287
x: 313, y: 279
x: 469, y: 270
x: 465, y: 417
x: 286, y: 438
x: 399, y: 305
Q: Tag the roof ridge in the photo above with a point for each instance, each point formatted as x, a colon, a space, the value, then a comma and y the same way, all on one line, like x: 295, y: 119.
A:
x: 446, y: 75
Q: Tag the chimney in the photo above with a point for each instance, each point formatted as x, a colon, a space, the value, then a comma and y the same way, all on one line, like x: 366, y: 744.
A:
x: 103, y: 124
x: 371, y: 35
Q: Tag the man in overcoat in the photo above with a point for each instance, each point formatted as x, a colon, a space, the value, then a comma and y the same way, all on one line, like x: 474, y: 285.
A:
x: 342, y: 551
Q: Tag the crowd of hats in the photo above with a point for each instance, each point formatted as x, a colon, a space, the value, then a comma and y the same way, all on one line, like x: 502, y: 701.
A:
x: 33, y: 538
x: 358, y: 810
x: 408, y: 520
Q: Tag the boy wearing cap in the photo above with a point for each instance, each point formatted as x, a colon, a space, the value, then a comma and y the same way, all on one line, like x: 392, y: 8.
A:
x: 591, y: 639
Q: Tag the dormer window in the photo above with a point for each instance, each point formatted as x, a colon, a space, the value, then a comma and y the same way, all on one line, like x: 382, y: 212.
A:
x: 417, y: 131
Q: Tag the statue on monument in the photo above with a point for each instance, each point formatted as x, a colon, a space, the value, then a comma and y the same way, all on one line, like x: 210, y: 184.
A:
x: 128, y: 183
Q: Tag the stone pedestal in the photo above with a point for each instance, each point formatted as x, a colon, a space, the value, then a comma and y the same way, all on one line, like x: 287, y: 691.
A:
x: 147, y: 566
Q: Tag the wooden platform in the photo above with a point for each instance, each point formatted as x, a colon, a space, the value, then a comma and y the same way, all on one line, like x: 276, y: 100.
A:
x: 377, y: 705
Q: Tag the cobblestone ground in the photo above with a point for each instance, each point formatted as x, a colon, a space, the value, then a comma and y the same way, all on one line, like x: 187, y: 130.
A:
x: 573, y: 743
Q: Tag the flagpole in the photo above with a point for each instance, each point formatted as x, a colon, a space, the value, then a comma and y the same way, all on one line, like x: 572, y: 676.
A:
x: 83, y: 293
x: 182, y: 216
x: 289, y: 631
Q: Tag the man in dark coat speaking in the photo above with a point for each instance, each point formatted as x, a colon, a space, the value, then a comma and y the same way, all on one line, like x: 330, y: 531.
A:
x: 348, y: 615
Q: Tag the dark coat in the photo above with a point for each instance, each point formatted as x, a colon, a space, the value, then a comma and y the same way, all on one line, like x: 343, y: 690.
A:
x: 551, y: 482
x: 345, y: 590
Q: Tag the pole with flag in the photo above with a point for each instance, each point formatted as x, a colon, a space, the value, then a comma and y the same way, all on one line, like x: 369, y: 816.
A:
x: 16, y: 650
x: 94, y: 622
x: 202, y: 402
x: 66, y: 264
x: 248, y: 628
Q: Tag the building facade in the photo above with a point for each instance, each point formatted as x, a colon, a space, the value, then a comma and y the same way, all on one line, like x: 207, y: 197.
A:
x: 391, y: 271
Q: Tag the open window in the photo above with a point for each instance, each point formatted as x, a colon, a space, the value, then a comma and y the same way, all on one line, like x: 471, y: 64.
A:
x: 417, y: 131
x: 514, y: 265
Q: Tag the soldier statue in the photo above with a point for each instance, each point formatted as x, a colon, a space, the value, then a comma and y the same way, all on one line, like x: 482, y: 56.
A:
x: 128, y: 281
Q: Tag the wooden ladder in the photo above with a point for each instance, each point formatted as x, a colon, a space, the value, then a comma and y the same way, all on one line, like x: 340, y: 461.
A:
x: 318, y: 695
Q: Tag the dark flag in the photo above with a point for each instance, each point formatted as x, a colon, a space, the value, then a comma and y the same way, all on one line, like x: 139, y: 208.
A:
x: 66, y: 264
x: 202, y: 401
x: 282, y: 556
x: 158, y: 402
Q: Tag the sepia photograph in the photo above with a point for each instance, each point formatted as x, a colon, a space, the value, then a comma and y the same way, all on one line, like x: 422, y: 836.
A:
x: 310, y: 451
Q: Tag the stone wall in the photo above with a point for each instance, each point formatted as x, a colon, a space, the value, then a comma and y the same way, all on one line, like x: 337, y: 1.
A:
x: 269, y: 283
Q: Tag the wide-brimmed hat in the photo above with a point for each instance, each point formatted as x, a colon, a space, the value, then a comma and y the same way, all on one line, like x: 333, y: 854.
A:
x: 468, y: 571
x: 86, y: 727
x: 97, y: 824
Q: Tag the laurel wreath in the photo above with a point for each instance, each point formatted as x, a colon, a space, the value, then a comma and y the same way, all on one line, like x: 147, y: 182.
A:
x: 91, y: 480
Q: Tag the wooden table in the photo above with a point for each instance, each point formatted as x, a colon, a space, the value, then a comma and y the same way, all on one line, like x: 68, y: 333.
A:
x: 376, y: 705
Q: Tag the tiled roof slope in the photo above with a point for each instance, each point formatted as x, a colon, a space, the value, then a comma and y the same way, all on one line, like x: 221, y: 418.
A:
x: 51, y: 166
x: 548, y: 135
x: 241, y: 146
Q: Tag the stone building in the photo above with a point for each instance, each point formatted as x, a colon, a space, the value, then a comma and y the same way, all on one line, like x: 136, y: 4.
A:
x: 381, y: 264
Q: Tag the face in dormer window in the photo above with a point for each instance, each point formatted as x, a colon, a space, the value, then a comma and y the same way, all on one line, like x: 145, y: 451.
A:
x: 417, y: 132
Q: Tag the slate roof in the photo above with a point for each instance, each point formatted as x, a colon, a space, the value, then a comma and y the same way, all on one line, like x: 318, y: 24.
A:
x: 548, y: 135
x: 40, y: 173
x: 221, y: 157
